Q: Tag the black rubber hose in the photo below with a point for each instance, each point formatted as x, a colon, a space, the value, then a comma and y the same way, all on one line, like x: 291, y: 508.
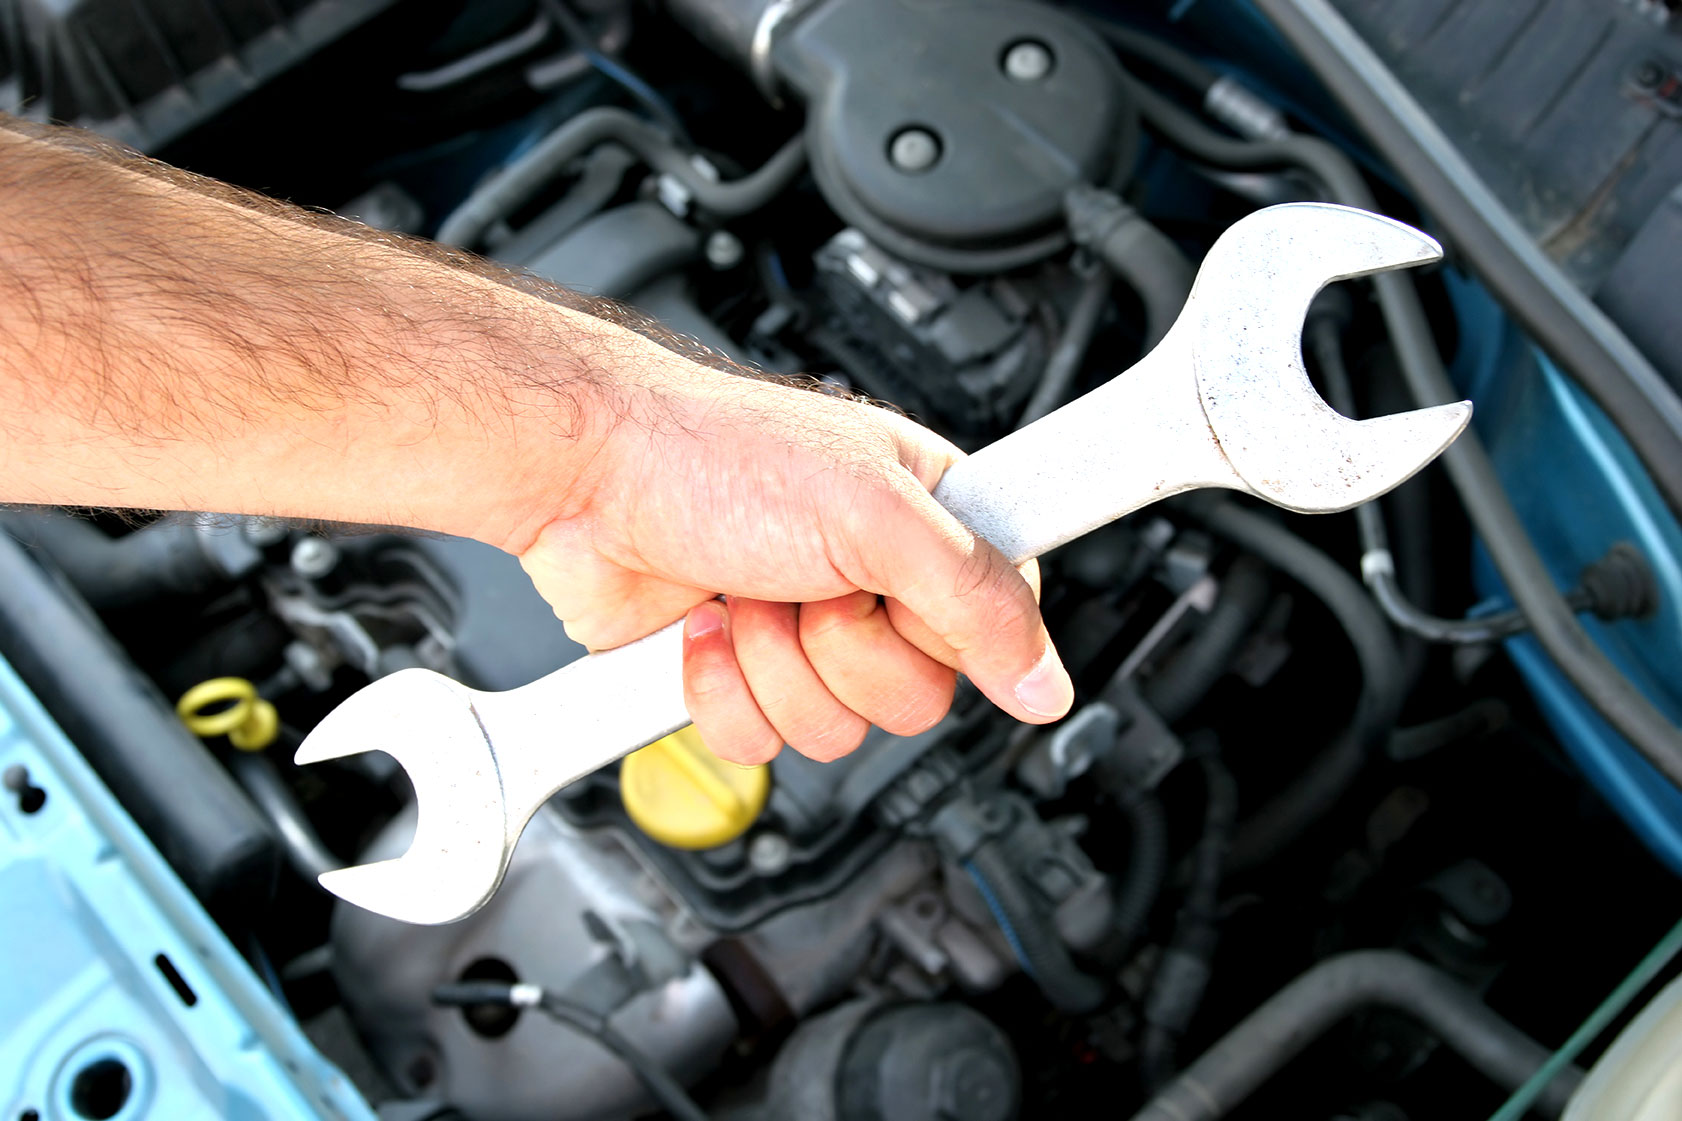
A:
x: 515, y: 184
x: 1031, y: 935
x: 1182, y: 975
x: 1274, y: 1034
x: 666, y: 1090
x: 1491, y: 512
x: 152, y: 563
x: 1329, y: 775
x: 1378, y: 567
x: 1144, y: 257
x: 1147, y: 868
x: 1553, y: 311
x: 1066, y: 357
x: 1186, y: 678
x: 1156, y: 53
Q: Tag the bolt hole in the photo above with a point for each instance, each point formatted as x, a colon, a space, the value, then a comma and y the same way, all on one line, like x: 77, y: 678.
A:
x: 101, y: 1089
x: 30, y: 1115
x: 490, y: 1021
x: 30, y: 797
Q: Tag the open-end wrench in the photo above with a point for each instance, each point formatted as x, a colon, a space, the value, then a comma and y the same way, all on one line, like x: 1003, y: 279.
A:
x: 1223, y: 401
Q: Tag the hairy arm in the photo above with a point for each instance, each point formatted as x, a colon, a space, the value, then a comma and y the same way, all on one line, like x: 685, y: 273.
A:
x: 167, y: 342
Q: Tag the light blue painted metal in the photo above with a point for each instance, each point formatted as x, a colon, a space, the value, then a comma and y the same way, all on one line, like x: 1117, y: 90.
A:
x: 88, y: 909
x: 1579, y: 489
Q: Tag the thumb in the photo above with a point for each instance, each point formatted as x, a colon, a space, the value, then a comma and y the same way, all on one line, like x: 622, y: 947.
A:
x: 908, y: 547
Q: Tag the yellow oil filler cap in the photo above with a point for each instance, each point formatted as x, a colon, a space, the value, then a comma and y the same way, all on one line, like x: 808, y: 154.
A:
x: 683, y: 795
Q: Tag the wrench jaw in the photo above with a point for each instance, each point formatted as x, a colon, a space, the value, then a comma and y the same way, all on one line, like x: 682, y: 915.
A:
x: 1285, y: 443
x: 462, y: 834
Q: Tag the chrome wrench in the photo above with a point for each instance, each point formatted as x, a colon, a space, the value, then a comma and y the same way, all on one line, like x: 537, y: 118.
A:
x: 1223, y: 401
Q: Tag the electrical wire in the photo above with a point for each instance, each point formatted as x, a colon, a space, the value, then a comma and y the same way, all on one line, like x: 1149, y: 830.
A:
x: 667, y: 1091
x: 640, y: 91
x: 1498, y: 525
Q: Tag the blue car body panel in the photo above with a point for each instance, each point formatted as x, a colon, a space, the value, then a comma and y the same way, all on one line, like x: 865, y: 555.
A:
x: 1579, y: 489
x: 95, y: 923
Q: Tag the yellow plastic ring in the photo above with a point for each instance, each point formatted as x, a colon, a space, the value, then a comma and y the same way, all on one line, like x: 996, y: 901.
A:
x: 249, y: 722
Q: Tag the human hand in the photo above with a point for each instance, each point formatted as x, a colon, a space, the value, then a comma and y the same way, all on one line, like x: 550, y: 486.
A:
x: 803, y: 509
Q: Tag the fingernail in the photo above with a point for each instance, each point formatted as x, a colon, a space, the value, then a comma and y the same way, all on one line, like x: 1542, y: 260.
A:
x: 1047, y: 690
x: 708, y: 618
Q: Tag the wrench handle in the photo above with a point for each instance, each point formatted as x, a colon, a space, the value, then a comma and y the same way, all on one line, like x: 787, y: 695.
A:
x: 1138, y: 438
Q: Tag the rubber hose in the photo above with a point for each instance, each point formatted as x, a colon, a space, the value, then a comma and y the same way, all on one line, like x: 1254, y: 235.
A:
x: 1039, y: 950
x: 1492, y: 515
x: 1147, y: 868
x: 516, y: 183
x: 299, y: 840
x: 1274, y: 1034
x: 1557, y: 314
x: 1070, y: 351
x: 1159, y: 55
x: 160, y: 560
x: 1145, y: 258
x: 1329, y: 775
x: 1378, y: 570
x: 1186, y: 678
x: 1182, y: 975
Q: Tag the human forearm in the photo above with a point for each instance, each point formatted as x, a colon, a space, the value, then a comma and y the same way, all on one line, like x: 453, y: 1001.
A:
x: 168, y: 343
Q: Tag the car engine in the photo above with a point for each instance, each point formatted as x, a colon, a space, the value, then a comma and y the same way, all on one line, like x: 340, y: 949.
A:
x: 1335, y: 828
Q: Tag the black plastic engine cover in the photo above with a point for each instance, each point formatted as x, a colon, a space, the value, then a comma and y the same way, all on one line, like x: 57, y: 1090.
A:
x: 1008, y: 148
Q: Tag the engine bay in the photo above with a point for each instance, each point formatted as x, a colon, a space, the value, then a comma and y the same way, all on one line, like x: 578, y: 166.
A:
x: 1330, y: 832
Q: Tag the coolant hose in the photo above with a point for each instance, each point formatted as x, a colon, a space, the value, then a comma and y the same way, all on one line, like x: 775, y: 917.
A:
x: 1031, y: 935
x: 1294, y: 1017
x: 1329, y: 775
x: 1144, y: 257
x: 517, y: 183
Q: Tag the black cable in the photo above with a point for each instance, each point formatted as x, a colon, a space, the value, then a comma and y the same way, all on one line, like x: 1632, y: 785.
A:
x: 666, y: 1090
x: 1553, y: 311
x: 515, y: 184
x: 1076, y: 339
x: 1146, y: 871
x: 1031, y: 935
x: 1182, y: 974
x: 613, y: 70
x: 1491, y: 512
x: 1324, y: 781
x: 1378, y: 570
x: 1294, y: 1017
x: 1156, y: 52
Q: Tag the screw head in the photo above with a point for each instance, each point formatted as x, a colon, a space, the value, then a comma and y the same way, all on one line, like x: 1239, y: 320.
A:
x: 1649, y: 74
x: 724, y: 250
x: 1027, y: 60
x: 913, y: 150
x: 313, y: 557
x: 769, y: 853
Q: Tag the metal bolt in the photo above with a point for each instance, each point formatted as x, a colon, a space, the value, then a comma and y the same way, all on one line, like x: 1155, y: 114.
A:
x: 1027, y: 61
x: 724, y: 250
x: 769, y: 854
x: 914, y: 149
x: 1649, y: 74
x: 313, y: 557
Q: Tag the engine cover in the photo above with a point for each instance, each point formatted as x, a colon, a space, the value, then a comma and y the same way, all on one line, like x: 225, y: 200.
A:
x: 951, y: 139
